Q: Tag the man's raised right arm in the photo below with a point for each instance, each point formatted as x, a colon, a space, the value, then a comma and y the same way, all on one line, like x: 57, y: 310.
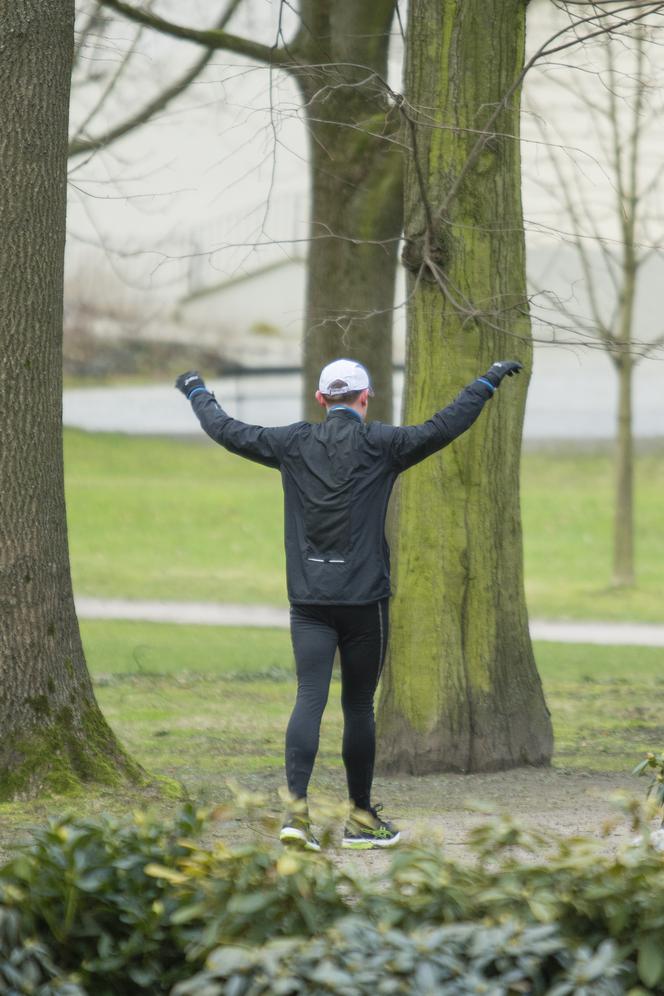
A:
x: 409, y: 444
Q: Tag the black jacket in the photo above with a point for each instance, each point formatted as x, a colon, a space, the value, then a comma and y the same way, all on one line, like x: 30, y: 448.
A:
x: 337, y: 477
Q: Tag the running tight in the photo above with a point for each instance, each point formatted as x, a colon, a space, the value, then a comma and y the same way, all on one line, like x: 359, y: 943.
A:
x: 360, y: 633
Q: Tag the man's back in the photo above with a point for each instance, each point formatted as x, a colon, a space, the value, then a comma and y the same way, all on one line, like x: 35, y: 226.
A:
x: 337, y: 477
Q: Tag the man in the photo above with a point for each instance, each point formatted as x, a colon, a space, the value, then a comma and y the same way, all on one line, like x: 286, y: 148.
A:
x: 337, y: 477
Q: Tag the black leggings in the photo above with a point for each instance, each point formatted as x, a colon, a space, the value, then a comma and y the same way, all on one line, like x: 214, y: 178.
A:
x: 360, y: 633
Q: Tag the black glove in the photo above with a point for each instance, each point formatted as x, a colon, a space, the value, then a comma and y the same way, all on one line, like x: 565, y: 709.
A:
x: 504, y: 368
x: 189, y: 381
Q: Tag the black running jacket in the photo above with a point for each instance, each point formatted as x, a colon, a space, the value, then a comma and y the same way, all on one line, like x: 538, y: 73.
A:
x: 337, y: 477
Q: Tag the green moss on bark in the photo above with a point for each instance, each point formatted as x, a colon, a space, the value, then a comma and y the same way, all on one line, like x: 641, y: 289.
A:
x: 63, y: 757
x: 461, y: 691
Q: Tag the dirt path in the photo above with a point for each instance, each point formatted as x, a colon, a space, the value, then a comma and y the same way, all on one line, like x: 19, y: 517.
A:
x: 565, y: 800
x: 568, y: 802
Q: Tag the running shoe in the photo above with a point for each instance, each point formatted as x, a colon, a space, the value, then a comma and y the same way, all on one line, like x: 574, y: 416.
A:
x: 296, y: 832
x: 365, y: 830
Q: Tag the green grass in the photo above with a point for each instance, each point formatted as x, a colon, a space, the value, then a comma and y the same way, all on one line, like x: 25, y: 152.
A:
x: 201, y: 703
x: 156, y: 518
x: 151, y: 650
x: 605, y: 703
x: 567, y: 521
x: 184, y: 520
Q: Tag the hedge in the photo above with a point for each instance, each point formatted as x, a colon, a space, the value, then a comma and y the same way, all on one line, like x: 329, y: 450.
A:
x: 105, y: 907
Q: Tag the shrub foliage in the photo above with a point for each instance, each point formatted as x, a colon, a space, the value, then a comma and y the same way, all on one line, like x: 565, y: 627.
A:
x: 98, y: 908
x: 356, y: 958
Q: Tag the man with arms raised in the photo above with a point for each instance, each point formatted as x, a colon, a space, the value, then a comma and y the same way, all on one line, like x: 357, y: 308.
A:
x: 337, y: 477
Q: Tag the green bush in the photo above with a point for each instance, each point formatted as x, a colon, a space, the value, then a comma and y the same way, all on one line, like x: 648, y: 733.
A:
x: 653, y: 766
x: 134, y: 907
x: 355, y: 958
x: 255, y: 894
x: 26, y: 965
x: 127, y: 905
x: 591, y: 895
x: 82, y: 888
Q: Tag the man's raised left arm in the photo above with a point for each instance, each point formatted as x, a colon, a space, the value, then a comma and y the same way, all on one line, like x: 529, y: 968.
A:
x: 409, y: 444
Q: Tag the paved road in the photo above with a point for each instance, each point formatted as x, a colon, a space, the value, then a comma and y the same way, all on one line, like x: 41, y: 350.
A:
x: 273, y: 617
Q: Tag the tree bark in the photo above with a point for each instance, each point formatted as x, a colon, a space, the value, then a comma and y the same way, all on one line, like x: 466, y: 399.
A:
x: 52, y: 734
x: 356, y: 202
x: 623, y: 515
x: 626, y: 155
x: 461, y: 690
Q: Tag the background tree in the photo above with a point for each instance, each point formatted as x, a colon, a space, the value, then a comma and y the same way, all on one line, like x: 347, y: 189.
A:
x: 338, y: 58
x: 461, y: 690
x: 52, y: 734
x: 613, y: 221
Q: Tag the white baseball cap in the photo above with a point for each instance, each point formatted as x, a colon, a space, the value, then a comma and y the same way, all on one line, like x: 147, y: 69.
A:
x: 342, y: 376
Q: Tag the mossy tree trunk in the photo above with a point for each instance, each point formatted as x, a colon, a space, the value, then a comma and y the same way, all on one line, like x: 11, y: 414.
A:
x: 461, y: 689
x: 52, y: 734
x: 356, y: 200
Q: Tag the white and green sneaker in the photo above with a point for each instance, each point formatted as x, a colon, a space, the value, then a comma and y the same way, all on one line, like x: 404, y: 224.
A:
x: 366, y: 830
x: 296, y: 832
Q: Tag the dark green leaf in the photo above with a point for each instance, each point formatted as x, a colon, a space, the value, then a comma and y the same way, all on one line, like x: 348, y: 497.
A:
x: 650, y: 960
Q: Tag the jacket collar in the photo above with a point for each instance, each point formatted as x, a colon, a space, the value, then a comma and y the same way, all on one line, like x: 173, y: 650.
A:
x: 343, y: 411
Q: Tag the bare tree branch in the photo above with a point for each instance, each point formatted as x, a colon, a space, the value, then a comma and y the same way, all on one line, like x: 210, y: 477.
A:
x: 587, y: 231
x: 623, y: 134
x: 580, y: 246
x: 106, y: 90
x: 79, y: 146
x: 548, y: 48
x: 230, y: 282
x: 281, y: 56
x: 93, y: 21
x: 213, y: 38
x: 652, y: 347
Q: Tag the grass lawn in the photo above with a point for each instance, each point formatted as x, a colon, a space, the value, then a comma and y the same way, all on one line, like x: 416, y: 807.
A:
x: 567, y: 523
x: 202, y: 703
x: 158, y: 518
x: 176, y: 519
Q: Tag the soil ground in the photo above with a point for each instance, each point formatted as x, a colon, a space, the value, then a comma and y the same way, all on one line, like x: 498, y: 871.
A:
x: 440, y: 807
x: 445, y: 808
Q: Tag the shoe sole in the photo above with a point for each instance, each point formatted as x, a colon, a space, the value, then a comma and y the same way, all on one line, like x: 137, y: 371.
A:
x: 362, y: 844
x: 298, y: 838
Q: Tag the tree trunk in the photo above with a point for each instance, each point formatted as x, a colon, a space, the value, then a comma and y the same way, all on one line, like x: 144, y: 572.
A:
x: 356, y: 202
x: 623, y: 522
x: 461, y: 690
x: 52, y: 734
x: 628, y: 205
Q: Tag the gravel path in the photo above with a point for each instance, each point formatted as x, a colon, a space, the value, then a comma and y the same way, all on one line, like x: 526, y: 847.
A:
x: 273, y: 617
x: 443, y: 809
x: 437, y: 808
